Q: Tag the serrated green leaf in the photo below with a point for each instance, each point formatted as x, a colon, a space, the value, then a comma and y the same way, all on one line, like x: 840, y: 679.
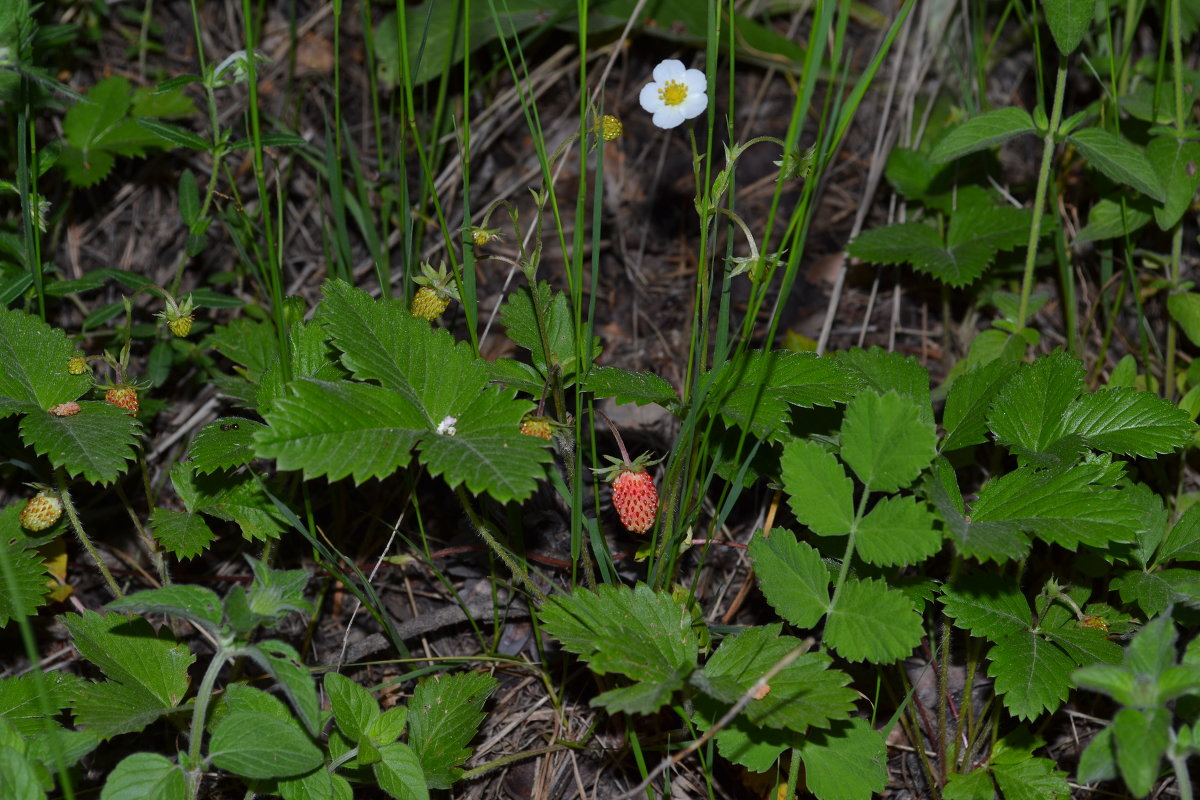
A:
x: 146, y: 672
x: 1152, y: 650
x: 19, y: 776
x: 756, y: 390
x: 885, y: 440
x: 182, y: 533
x: 1152, y: 592
x: 443, y: 716
x: 194, y: 603
x: 1112, y: 219
x: 1067, y: 507
x: 910, y: 172
x: 388, y: 726
x: 1068, y: 21
x: 975, y: 785
x: 233, y: 497
x: 1176, y: 163
x: 487, y: 451
x: 1116, y: 682
x: 820, y: 493
x: 246, y: 342
x: 95, y: 443
x: 806, y: 693
x: 258, y: 745
x: 353, y: 706
x: 898, y: 531
x: 632, y: 387
x: 225, y: 443
x: 998, y: 541
x: 310, y: 355
x: 639, y: 633
x: 1141, y: 738
x: 398, y: 772
x: 521, y: 323
x: 1184, y: 308
x: 28, y: 591
x: 315, y: 785
x: 970, y: 396
x: 872, y: 622
x: 1118, y: 159
x: 892, y: 372
x: 1031, y: 779
x: 21, y: 699
x: 1182, y: 542
x: 985, y: 130
x: 988, y: 605
x: 1085, y: 645
x: 1128, y: 422
x: 143, y: 775
x: 846, y: 762
x: 1028, y: 411
x: 33, y: 365
x: 756, y: 749
x: 1032, y: 674
x: 792, y: 577
x: 337, y: 429
x: 283, y: 663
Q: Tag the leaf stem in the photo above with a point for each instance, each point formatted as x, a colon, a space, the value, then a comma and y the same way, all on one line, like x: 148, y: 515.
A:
x: 500, y: 550
x: 200, y: 711
x: 1039, y: 199
x: 73, y: 516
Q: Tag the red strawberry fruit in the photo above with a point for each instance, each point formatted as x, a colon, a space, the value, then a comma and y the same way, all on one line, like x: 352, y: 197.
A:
x: 125, y: 397
x: 634, y: 496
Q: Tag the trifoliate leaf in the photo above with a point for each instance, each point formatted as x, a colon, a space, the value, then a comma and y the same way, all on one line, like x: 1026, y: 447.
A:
x: 872, y: 622
x: 885, y: 440
x: 970, y: 396
x: 97, y: 128
x: 236, y: 498
x: 1028, y: 412
x: 892, y: 372
x: 985, y: 130
x: 1067, y: 507
x: 792, y: 577
x: 182, y: 533
x: 444, y: 715
x: 258, y: 745
x: 805, y: 693
x: 33, y: 365
x: 898, y: 531
x: 984, y: 541
x: 146, y: 672
x: 846, y: 762
x: 756, y: 749
x: 225, y: 443
x: 339, y: 429
x: 756, y: 390
x: 632, y: 387
x: 988, y: 605
x: 1128, y: 422
x: 819, y: 492
x: 94, y: 443
x: 1118, y: 159
x: 644, y: 635
x: 1032, y: 675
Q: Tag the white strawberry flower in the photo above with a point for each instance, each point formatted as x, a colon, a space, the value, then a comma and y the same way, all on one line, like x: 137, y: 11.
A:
x: 676, y: 94
x: 446, y: 426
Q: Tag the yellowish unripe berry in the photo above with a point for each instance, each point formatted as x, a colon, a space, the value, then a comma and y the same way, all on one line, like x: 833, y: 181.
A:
x: 77, y: 365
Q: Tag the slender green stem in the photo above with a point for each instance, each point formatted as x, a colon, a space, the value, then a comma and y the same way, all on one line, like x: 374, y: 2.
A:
x: 199, y: 712
x: 500, y: 550
x: 1039, y: 199
x: 793, y: 776
x: 73, y: 516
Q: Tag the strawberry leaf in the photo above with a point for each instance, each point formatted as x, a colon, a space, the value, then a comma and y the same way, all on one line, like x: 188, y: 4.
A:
x: 898, y: 531
x: 644, y: 635
x: 224, y: 443
x: 94, y: 443
x: 632, y: 387
x: 792, y: 577
x: 1128, y: 422
x: 886, y: 441
x: 971, y: 394
x: 846, y: 762
x: 236, y: 498
x: 872, y: 622
x: 27, y: 591
x: 146, y: 672
x: 988, y: 605
x: 181, y: 532
x: 819, y: 492
x: 33, y: 365
x: 1032, y: 674
x: 756, y: 390
x: 891, y: 372
x: 443, y: 716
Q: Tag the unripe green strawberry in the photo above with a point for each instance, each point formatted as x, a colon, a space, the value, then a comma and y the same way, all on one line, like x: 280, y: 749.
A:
x: 125, y: 397
x: 178, y: 316
x: 42, y: 511
x: 77, y: 365
x: 428, y: 304
x: 534, y: 425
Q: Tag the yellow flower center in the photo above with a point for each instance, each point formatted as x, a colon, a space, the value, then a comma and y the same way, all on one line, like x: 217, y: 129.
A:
x: 673, y: 92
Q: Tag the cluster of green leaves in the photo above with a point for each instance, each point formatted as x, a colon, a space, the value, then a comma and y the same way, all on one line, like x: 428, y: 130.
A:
x: 277, y: 748
x: 879, y: 497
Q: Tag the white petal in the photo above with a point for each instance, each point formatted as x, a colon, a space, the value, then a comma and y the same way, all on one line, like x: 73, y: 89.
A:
x: 670, y: 70
x: 668, y: 117
x: 693, y: 106
x: 695, y: 81
x: 649, y: 98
